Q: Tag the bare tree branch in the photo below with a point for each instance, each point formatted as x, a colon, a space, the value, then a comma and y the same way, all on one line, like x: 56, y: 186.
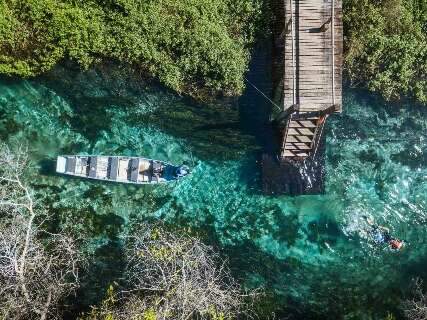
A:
x: 36, y: 270
x: 178, y: 277
x: 172, y: 276
x: 416, y: 308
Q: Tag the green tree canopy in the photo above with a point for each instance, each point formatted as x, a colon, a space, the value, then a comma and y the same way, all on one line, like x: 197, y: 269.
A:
x: 386, y: 46
x: 196, y: 47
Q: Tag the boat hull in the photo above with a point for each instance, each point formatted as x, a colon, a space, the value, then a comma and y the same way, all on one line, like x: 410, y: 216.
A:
x: 131, y: 170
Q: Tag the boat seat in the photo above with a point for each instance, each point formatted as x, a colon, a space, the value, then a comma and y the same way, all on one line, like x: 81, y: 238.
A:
x: 123, y: 172
x: 102, y: 167
x: 113, y: 168
x: 144, y: 170
x: 93, y: 162
x: 70, y: 165
x: 134, y: 167
x: 84, y: 166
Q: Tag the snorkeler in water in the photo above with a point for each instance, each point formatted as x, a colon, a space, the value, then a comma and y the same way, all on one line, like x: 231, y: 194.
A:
x: 381, y: 235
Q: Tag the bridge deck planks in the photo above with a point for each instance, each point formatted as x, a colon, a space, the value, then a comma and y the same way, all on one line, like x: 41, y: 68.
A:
x: 313, y: 55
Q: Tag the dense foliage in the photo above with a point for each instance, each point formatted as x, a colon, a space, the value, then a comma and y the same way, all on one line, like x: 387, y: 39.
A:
x: 386, y: 46
x: 171, y: 276
x: 197, y: 47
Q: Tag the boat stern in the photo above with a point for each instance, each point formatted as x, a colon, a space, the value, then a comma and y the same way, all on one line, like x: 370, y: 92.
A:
x: 61, y: 164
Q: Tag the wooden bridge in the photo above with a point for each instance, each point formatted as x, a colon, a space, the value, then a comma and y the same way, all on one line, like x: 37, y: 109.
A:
x: 309, y: 33
x: 307, y: 86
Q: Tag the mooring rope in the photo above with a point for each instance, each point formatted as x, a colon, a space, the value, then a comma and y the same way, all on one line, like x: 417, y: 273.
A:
x: 264, y: 95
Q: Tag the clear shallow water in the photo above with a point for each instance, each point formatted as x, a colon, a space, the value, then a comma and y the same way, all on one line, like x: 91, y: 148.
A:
x: 311, y: 251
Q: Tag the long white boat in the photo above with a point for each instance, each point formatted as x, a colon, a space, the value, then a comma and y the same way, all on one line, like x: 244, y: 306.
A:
x: 135, y: 170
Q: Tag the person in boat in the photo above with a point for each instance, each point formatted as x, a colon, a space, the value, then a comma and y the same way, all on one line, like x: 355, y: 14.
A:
x: 158, y: 169
x: 381, y: 235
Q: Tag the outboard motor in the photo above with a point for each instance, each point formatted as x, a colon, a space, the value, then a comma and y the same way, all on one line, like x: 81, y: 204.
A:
x: 182, y: 171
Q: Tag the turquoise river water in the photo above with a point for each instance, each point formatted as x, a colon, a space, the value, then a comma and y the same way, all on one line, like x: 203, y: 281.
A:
x: 311, y: 252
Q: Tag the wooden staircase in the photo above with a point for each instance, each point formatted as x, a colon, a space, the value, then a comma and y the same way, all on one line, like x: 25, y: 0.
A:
x: 300, y: 136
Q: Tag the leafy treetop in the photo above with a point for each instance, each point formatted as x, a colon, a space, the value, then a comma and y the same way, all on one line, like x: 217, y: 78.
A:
x: 196, y: 47
x: 386, y: 46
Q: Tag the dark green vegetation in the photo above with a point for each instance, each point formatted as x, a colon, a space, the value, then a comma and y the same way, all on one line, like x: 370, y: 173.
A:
x: 196, y: 47
x: 386, y: 43
x: 202, y: 47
